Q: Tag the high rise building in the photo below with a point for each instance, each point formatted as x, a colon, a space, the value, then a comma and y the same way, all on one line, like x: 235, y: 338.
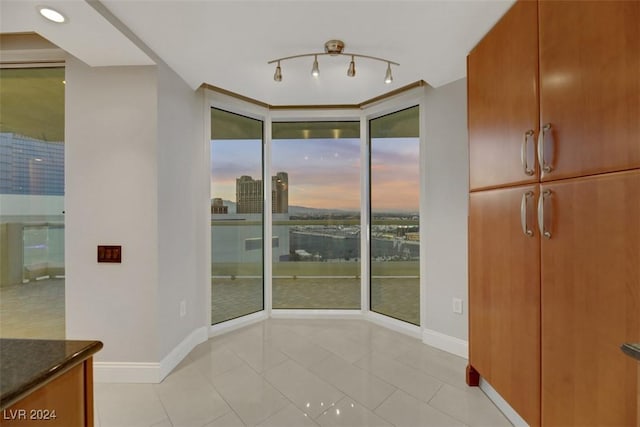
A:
x: 280, y: 193
x: 218, y: 207
x: 31, y: 166
x: 249, y: 193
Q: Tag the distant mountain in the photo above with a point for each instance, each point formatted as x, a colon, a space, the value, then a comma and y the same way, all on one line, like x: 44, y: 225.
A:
x: 293, y: 209
x: 303, y: 210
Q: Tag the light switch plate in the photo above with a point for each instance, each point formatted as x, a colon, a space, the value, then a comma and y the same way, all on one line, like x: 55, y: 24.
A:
x: 457, y: 305
x: 110, y: 253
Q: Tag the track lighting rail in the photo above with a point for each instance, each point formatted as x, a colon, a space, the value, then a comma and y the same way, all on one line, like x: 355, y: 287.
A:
x: 333, y: 48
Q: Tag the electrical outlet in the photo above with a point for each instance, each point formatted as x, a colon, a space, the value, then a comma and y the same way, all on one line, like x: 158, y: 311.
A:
x: 457, y: 305
x: 183, y: 308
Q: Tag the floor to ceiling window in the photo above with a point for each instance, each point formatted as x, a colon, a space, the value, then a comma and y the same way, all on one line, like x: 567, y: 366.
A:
x: 395, y: 232
x: 237, y: 206
x: 32, y: 267
x: 288, y: 190
x: 315, y: 176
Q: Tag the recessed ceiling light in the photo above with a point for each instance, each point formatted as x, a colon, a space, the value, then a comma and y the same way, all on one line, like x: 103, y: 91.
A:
x: 51, y: 14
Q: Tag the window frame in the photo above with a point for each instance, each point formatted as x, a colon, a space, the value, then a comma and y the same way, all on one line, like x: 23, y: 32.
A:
x: 253, y: 111
x: 319, y: 115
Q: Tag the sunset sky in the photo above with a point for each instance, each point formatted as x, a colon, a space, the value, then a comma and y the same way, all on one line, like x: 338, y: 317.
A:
x: 324, y: 173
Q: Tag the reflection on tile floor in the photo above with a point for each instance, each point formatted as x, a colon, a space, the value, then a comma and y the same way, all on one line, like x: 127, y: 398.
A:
x: 285, y: 372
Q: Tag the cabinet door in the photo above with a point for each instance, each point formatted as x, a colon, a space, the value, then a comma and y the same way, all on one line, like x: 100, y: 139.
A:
x: 502, y: 83
x: 504, y: 296
x: 590, y: 300
x: 590, y: 86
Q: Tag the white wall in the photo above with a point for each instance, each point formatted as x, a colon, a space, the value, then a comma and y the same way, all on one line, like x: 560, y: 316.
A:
x: 136, y: 176
x: 111, y: 170
x: 447, y: 206
x: 183, y: 210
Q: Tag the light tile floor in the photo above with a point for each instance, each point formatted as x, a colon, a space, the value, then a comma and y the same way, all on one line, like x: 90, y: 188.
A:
x: 304, y: 373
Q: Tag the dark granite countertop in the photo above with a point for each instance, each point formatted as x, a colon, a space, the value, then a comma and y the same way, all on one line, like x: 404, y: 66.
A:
x: 26, y: 364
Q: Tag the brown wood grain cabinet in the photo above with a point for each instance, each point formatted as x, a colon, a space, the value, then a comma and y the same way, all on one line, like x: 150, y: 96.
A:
x: 67, y: 401
x: 504, y: 271
x: 554, y: 277
x: 503, y: 93
x: 590, y: 300
x: 590, y: 86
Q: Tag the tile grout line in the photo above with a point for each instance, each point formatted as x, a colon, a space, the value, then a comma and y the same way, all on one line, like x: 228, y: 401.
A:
x: 285, y: 396
x: 210, y: 382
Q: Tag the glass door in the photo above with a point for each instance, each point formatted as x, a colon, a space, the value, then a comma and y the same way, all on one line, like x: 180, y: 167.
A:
x: 394, y: 211
x: 315, y: 176
x: 237, y: 216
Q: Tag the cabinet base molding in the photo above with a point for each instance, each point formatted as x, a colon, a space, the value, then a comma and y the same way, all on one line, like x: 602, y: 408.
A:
x: 472, y: 376
x: 502, y: 404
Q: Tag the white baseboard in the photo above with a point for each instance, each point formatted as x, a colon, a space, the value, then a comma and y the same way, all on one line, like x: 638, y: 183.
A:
x: 393, y: 324
x: 126, y: 372
x: 315, y: 314
x: 240, y: 322
x: 502, y: 404
x: 154, y: 372
x: 446, y: 343
x: 176, y: 355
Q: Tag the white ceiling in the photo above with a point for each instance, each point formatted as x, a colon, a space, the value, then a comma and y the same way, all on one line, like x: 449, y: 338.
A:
x: 228, y: 43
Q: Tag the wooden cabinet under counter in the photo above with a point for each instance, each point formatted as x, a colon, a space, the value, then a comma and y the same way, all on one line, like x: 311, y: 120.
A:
x: 46, y: 382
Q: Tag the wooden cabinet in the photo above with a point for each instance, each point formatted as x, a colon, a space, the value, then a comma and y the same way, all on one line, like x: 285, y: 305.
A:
x: 590, y: 300
x: 549, y: 313
x: 587, y: 54
x: 66, y: 401
x: 503, y: 101
x: 590, y: 86
x: 504, y: 271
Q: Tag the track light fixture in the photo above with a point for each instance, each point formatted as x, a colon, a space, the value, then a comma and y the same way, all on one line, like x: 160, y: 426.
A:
x: 351, y: 72
x: 388, y: 78
x: 277, y: 76
x: 333, y: 48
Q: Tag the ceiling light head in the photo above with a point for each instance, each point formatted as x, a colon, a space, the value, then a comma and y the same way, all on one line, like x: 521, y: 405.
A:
x: 351, y: 72
x: 315, y: 70
x: 51, y: 14
x: 334, y: 47
x: 388, y: 78
x: 277, y: 76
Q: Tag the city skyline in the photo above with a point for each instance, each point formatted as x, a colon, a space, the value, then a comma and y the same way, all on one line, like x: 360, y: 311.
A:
x: 324, y: 173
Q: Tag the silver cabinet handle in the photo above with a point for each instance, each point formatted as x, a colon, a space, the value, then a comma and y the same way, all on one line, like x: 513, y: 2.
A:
x: 541, y: 216
x: 544, y: 137
x: 523, y: 152
x: 523, y: 213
